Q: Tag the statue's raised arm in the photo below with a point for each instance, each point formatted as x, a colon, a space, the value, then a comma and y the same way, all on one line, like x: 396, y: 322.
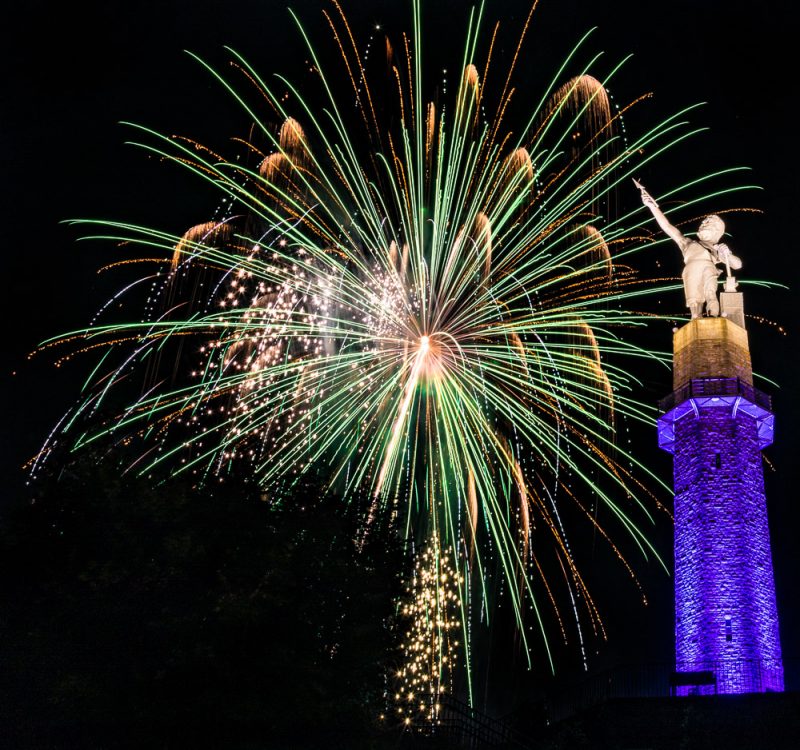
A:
x: 672, y: 232
x: 700, y: 256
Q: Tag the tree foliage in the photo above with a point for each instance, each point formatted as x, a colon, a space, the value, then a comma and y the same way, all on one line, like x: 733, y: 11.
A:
x: 168, y: 616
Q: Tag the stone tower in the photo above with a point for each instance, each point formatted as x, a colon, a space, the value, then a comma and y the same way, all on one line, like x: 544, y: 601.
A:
x: 715, y: 424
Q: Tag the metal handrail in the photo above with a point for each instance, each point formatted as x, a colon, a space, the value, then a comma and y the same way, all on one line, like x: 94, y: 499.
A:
x: 468, y: 728
x: 710, y: 387
x: 658, y: 680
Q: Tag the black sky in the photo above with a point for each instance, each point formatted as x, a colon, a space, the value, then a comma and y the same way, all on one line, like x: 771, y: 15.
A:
x: 72, y: 71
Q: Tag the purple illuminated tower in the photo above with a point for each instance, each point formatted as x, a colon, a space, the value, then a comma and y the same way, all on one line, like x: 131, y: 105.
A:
x: 715, y: 425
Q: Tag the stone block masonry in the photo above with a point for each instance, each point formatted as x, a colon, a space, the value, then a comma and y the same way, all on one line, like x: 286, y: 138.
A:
x: 726, y: 618
x: 710, y: 348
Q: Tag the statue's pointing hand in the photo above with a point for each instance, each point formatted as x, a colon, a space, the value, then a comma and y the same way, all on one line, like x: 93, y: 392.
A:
x: 647, y: 199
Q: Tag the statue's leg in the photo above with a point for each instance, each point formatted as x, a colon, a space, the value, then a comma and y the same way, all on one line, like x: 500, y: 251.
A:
x: 693, y: 288
x: 710, y: 293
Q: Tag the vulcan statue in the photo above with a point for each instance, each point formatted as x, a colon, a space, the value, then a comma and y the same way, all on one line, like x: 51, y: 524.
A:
x: 701, y: 257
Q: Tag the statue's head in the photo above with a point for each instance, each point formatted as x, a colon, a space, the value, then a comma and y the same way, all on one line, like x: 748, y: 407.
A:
x: 711, y: 229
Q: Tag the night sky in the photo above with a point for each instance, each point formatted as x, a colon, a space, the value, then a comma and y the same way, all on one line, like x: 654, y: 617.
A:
x: 74, y: 70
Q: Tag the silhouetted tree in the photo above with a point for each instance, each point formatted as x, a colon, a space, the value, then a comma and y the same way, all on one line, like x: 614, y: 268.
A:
x: 169, y: 616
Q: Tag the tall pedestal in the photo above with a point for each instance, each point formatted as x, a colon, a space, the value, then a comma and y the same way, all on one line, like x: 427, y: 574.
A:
x: 715, y: 424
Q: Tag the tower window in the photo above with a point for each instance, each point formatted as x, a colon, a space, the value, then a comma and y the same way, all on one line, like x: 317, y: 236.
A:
x: 728, y: 628
x: 718, y: 460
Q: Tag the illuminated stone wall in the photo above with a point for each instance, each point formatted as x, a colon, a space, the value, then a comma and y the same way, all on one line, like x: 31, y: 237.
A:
x: 725, y: 615
x: 710, y: 348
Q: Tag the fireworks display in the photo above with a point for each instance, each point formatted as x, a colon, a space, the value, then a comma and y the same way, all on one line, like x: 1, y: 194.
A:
x: 430, y: 644
x: 406, y: 299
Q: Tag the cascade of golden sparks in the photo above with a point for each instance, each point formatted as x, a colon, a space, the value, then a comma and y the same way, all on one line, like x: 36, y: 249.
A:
x: 430, y: 646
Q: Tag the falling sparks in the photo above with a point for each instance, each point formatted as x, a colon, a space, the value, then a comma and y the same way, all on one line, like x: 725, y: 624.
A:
x: 431, y: 613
